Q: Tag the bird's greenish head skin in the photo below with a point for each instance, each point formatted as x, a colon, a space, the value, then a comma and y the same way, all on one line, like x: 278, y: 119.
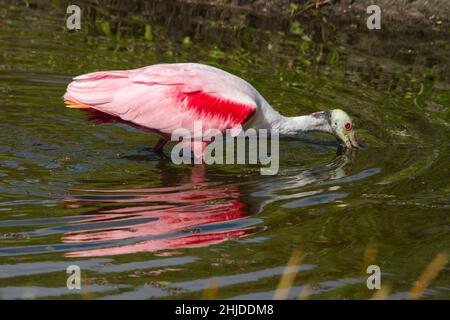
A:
x: 342, y: 128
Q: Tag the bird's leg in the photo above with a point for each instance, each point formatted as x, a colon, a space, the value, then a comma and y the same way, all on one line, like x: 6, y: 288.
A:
x: 198, y: 148
x: 160, y: 145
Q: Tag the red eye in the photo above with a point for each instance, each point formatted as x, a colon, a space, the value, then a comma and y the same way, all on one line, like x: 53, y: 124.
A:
x: 348, y: 126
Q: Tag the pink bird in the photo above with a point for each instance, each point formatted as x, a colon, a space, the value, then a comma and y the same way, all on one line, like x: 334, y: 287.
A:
x: 164, y: 97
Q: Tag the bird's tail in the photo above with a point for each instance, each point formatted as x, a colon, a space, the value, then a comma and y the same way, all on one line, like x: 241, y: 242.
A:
x: 74, y: 105
x: 95, y: 90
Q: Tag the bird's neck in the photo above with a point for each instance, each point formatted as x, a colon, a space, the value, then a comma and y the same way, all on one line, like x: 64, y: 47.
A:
x: 292, y: 126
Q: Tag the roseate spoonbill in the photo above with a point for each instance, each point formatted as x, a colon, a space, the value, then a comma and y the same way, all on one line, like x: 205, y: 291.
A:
x: 161, y: 98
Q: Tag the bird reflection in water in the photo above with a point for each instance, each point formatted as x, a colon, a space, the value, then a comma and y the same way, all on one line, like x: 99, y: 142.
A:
x: 287, y: 185
x: 195, y: 213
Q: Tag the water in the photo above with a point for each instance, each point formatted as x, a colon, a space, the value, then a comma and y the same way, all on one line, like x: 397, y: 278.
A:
x: 73, y: 193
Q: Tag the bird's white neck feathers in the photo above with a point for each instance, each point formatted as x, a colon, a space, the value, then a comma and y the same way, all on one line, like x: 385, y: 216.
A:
x: 291, y: 126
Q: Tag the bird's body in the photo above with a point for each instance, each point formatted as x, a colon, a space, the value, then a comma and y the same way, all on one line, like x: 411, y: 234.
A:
x: 166, y: 97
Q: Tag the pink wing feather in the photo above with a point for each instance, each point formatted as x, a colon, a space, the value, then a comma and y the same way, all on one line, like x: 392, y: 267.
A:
x: 168, y: 96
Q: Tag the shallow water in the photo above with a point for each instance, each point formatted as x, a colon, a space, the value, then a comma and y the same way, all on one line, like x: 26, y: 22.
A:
x: 74, y: 193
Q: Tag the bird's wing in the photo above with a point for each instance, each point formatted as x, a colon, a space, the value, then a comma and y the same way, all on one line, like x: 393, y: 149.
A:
x: 168, y: 96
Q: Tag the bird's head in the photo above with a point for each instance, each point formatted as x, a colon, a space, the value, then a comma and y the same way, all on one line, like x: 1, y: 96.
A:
x: 342, y: 128
x: 336, y: 122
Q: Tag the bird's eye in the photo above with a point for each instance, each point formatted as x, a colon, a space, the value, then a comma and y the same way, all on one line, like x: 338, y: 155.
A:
x: 348, y: 126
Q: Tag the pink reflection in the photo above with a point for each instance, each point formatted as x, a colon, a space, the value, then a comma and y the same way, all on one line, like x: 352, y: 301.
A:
x: 190, y: 241
x: 174, y: 213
